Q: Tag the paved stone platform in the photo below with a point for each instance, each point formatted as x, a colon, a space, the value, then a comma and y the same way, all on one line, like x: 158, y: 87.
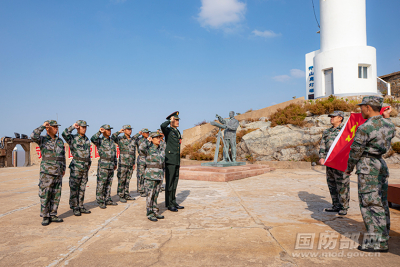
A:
x: 221, y: 174
x: 248, y: 222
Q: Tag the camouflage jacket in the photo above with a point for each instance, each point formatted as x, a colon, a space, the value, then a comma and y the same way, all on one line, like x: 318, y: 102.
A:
x: 374, y: 137
x: 141, y: 157
x: 107, y: 151
x: 155, y: 158
x: 127, y: 148
x: 50, y: 148
x: 80, y: 149
x: 328, y: 136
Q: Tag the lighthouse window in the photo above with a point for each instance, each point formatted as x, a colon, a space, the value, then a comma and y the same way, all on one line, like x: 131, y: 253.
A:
x: 362, y: 72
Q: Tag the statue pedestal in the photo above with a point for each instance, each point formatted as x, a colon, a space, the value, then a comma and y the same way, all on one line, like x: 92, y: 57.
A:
x: 218, y: 174
x: 223, y: 164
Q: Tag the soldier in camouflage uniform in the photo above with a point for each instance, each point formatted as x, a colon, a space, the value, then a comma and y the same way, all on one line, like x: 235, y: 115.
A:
x: 154, y: 173
x: 338, y: 182
x: 372, y: 140
x: 79, y: 145
x: 163, y: 145
x: 52, y: 170
x: 106, y: 166
x: 126, y: 165
x: 141, y: 162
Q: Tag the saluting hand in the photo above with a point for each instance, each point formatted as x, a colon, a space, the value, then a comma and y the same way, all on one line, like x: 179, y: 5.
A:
x: 46, y: 124
x: 76, y: 125
x: 102, y: 130
x: 149, y: 138
x: 140, y: 132
x: 121, y: 131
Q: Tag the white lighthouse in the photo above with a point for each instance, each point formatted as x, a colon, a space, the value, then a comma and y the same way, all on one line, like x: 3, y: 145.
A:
x: 344, y: 65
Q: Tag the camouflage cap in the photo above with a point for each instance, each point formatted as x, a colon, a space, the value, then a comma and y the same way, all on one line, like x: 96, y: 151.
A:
x: 154, y: 134
x: 106, y: 127
x: 82, y: 123
x: 336, y: 113
x: 53, y: 123
x: 174, y: 114
x: 127, y: 126
x: 145, y: 130
x: 372, y: 101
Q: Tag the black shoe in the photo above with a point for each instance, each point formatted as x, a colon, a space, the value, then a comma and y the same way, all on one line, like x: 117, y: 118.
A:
x: 46, y: 221
x: 160, y: 216
x: 179, y: 207
x: 342, y: 212
x: 372, y: 250
x: 127, y: 197
x: 111, y: 203
x: 55, y: 219
x: 77, y: 212
x: 163, y: 187
x: 333, y: 209
x: 173, y: 209
x: 153, y: 219
x: 85, y: 211
x: 102, y: 206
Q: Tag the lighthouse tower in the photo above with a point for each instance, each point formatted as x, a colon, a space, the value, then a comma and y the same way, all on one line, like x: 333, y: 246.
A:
x: 344, y: 65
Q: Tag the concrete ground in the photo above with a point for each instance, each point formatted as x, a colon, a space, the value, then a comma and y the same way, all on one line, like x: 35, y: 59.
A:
x: 251, y: 222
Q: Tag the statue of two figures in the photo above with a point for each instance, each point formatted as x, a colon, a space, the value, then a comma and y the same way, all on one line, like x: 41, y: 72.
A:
x: 229, y: 140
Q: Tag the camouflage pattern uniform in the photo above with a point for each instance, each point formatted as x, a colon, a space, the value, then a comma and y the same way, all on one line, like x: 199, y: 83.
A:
x: 371, y: 141
x: 338, y: 182
x: 141, y: 163
x: 79, y: 166
x: 154, y: 174
x: 105, y: 168
x: 52, y: 169
x: 127, y: 156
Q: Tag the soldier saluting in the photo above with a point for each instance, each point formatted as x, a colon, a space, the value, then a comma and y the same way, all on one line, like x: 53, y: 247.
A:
x: 79, y: 145
x: 106, y: 166
x: 371, y: 141
x: 126, y: 164
x: 141, y: 162
x: 173, y: 141
x: 52, y: 170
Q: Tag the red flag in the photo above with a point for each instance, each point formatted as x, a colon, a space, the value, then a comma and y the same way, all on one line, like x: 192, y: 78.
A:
x: 338, y: 154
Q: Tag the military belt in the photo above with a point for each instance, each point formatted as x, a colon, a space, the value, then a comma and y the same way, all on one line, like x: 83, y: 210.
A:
x: 369, y: 155
x: 127, y: 153
x: 155, y: 165
x: 82, y: 159
x: 53, y: 158
x: 107, y: 159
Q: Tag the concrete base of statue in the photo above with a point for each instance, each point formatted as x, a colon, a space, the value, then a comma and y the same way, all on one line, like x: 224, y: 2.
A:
x: 218, y: 174
x: 223, y: 164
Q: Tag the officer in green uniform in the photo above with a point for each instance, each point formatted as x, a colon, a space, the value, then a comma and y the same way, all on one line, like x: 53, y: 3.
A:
x: 173, y: 141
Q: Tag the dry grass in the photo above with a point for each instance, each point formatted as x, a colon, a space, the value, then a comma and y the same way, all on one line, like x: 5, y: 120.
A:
x: 250, y: 158
x: 192, y: 149
x: 330, y: 104
x: 292, y: 114
x: 314, y: 157
x: 396, y: 147
x: 201, y: 123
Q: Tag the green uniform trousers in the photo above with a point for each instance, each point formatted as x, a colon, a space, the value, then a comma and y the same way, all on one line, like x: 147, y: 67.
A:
x: 171, y: 179
x: 141, y: 167
x: 104, y: 182
x: 339, y: 188
x: 77, y: 183
x: 49, y: 193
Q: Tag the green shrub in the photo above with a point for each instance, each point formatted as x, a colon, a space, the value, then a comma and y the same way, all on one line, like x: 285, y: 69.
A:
x: 292, y: 114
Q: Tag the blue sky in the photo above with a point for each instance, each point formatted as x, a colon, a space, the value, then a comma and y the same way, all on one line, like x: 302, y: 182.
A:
x: 134, y: 62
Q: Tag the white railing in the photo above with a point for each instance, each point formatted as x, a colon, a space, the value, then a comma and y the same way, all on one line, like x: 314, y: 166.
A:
x: 385, y: 84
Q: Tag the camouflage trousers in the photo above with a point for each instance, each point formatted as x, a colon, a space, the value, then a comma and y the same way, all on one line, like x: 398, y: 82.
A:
x: 124, y: 175
x: 77, y: 183
x: 339, y: 187
x: 104, y: 182
x: 50, y: 194
x: 372, y: 195
x: 153, y: 188
x: 140, y: 178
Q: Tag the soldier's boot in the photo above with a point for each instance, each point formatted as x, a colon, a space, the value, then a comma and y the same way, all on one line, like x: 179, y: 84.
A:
x: 128, y: 197
x: 102, y: 205
x: 111, y: 203
x: 369, y: 249
x: 342, y: 212
x: 333, y: 209
x: 85, y: 211
x: 46, y: 221
x: 54, y: 218
x: 163, y: 187
x: 152, y: 218
x: 158, y: 216
x: 143, y: 194
x: 123, y: 200
x: 77, y: 212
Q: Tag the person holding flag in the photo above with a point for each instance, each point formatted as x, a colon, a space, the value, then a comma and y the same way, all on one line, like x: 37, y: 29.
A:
x: 371, y: 141
x: 338, y: 183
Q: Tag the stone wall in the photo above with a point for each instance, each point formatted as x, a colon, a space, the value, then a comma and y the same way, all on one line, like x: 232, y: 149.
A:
x: 394, y: 80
